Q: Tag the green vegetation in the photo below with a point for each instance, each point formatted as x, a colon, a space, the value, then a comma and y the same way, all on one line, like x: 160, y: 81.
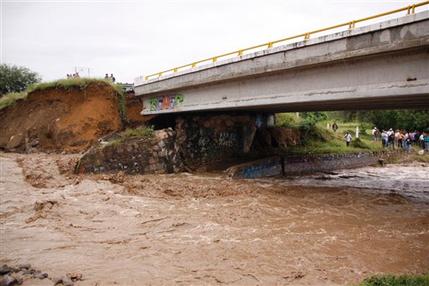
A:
x: 385, y: 119
x: 316, y: 138
x: 70, y: 83
x: 291, y: 120
x: 335, y: 146
x: 15, y: 79
x: 141, y: 132
x: 403, y: 280
x: 10, y: 98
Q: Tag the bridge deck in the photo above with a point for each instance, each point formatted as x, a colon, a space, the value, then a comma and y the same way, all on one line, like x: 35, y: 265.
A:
x: 384, y: 65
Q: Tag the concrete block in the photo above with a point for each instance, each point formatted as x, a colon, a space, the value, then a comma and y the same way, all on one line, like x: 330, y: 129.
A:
x: 266, y: 167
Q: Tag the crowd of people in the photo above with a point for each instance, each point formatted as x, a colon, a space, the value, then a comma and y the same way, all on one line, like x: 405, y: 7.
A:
x: 403, y: 139
x: 74, y: 75
x: 398, y: 139
x: 111, y: 77
x: 107, y: 77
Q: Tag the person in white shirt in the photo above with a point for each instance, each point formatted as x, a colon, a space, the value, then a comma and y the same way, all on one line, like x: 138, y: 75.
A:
x: 348, y: 137
x: 375, y: 133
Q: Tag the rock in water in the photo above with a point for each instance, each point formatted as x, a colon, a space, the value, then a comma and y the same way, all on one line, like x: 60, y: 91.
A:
x: 67, y: 281
x: 5, y: 269
x: 8, y: 280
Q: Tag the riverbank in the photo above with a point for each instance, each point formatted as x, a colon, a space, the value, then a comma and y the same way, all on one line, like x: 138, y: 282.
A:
x: 203, y: 228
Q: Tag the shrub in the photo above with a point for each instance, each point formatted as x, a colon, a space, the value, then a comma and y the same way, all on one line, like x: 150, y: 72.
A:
x: 314, y: 117
x: 287, y: 120
x: 310, y: 131
x: 403, y: 280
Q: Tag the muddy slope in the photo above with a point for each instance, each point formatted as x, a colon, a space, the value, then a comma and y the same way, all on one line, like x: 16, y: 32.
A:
x: 134, y: 106
x: 60, y: 120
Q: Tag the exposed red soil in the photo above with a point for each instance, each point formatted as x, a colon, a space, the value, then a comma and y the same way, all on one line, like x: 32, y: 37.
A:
x: 60, y: 120
x: 134, y: 107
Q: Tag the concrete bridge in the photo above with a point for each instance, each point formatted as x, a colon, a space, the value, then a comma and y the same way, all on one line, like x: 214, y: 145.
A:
x: 383, y: 65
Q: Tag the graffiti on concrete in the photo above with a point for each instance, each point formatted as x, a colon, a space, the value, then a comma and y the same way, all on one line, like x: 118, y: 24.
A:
x: 165, y: 102
x: 227, y: 139
x: 269, y: 168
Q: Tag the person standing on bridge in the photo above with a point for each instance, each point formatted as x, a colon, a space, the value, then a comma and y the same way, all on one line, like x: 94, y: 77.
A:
x: 348, y: 137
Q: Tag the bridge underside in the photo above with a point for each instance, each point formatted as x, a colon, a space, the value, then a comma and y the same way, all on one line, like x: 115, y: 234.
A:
x: 415, y: 101
x: 383, y: 69
x: 391, y: 81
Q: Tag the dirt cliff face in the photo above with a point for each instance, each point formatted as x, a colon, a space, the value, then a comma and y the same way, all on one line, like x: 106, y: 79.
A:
x: 60, y: 120
x: 134, y: 106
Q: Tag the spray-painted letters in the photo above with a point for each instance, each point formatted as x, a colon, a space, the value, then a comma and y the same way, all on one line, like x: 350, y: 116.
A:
x: 166, y: 102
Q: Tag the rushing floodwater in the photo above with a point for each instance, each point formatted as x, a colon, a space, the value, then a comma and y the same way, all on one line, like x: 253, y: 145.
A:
x: 190, y: 229
x: 411, y: 180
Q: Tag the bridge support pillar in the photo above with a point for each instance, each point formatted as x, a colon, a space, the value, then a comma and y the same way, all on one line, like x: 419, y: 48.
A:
x: 249, y: 132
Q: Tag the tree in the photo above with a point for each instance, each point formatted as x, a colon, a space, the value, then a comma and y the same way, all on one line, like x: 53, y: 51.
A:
x: 398, y: 119
x: 314, y: 117
x: 16, y: 79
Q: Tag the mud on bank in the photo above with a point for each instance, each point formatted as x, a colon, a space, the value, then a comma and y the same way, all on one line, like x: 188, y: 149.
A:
x: 66, y: 116
x: 202, y: 229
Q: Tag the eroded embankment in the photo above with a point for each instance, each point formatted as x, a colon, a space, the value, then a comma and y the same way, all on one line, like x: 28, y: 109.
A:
x: 203, y: 229
x: 197, y: 142
x: 60, y: 119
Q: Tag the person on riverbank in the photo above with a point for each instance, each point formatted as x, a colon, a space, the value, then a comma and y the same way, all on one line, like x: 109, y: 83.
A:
x: 348, y: 138
x: 375, y: 133
x: 335, y: 127
x: 384, y: 138
x: 422, y: 141
x: 397, y: 139
x: 407, y: 143
x: 390, y: 138
x: 426, y: 140
x: 413, y: 136
x: 417, y: 137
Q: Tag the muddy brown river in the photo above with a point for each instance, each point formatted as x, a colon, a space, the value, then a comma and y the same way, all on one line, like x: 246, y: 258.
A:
x: 206, y: 229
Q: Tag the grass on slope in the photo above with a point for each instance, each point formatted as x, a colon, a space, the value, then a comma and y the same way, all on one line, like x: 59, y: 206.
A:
x: 318, y: 139
x: 82, y: 83
x: 403, y: 280
x: 11, y: 98
x: 68, y: 83
x: 334, y: 146
x: 143, y: 132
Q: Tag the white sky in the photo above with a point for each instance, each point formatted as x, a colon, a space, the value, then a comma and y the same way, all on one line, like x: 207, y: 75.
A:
x: 133, y: 38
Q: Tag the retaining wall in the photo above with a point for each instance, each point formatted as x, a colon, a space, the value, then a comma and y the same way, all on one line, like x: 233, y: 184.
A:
x: 301, y: 165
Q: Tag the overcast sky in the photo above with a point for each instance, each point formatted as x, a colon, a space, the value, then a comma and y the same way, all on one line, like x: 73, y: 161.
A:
x: 133, y: 38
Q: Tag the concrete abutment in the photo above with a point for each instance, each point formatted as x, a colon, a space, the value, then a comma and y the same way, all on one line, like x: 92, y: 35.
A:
x: 197, y: 142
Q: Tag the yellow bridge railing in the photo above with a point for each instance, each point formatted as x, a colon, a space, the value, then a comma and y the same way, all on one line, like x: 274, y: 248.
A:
x: 351, y: 25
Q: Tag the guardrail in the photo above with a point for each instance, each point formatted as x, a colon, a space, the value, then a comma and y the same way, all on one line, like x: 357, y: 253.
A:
x: 351, y: 25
